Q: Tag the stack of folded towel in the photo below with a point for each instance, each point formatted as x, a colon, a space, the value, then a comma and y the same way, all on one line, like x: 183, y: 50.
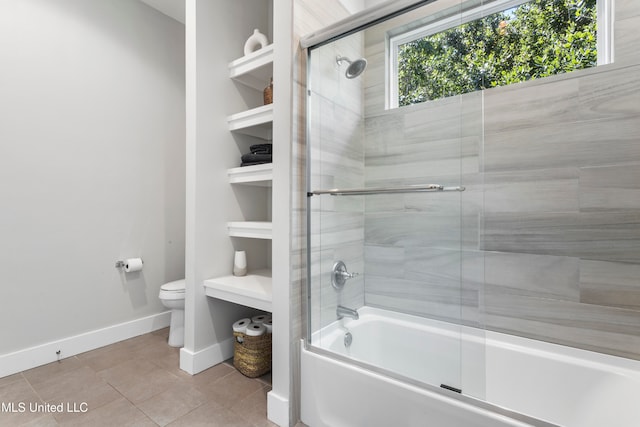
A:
x: 260, y: 153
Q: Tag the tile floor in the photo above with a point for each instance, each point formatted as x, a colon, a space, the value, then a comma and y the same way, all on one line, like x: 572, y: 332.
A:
x: 136, y: 382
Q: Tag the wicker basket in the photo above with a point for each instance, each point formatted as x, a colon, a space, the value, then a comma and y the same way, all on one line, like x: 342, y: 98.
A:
x: 252, y: 355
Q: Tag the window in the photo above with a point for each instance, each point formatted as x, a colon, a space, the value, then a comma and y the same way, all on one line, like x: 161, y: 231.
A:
x: 495, y: 44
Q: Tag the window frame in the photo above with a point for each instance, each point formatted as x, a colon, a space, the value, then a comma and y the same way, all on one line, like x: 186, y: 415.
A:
x: 478, y: 9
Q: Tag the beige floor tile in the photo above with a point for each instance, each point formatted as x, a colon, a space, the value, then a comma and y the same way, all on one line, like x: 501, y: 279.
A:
x: 67, y: 382
x: 144, y: 344
x: 169, y: 361
x: 105, y: 357
x: 173, y: 403
x: 141, y: 340
x: 119, y: 413
x: 46, y: 420
x: 126, y: 371
x: 254, y: 408
x: 230, y: 389
x: 209, y: 376
x: 265, y: 379
x: 141, y: 388
x: 164, y: 332
x: 75, y: 390
x: 49, y: 371
x: 92, y: 396
x: 153, y: 349
x: 211, y: 415
x: 11, y: 379
x: 18, y: 391
x: 26, y: 418
x: 19, y: 399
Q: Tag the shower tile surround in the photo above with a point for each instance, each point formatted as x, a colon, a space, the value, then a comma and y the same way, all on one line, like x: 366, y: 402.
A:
x: 549, y: 220
x: 310, y: 16
x: 338, y: 222
x: 591, y: 213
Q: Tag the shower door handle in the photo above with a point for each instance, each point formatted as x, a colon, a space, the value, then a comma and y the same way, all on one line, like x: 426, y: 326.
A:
x: 340, y: 275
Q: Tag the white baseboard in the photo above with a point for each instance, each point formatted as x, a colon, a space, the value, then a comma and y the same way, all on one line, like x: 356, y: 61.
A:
x: 32, y: 357
x: 194, y: 362
x: 277, y: 409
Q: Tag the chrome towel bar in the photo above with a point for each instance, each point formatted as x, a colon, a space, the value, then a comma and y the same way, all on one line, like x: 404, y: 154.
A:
x: 421, y: 188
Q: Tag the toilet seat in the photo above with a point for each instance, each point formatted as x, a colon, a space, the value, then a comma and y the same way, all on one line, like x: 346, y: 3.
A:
x: 175, y: 286
x: 172, y: 290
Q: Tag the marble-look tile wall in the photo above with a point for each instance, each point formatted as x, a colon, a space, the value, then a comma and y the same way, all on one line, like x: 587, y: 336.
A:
x: 545, y: 242
x: 419, y: 247
x: 310, y: 16
x: 335, y: 110
x: 336, y: 121
x: 561, y: 204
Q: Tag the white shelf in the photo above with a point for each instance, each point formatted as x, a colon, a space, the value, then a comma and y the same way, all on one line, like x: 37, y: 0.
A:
x: 250, y: 229
x: 252, y: 290
x: 254, y: 70
x: 258, y: 175
x: 256, y: 122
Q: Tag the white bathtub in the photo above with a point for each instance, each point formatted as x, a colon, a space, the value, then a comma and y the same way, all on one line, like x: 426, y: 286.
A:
x: 505, y: 380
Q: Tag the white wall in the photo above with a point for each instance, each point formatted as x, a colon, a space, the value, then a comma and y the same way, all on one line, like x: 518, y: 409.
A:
x: 172, y: 8
x: 92, y: 164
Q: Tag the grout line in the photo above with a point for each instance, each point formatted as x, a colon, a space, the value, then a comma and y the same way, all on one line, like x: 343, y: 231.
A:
x: 186, y: 414
x: 264, y: 381
x: 146, y: 416
x: 32, y: 388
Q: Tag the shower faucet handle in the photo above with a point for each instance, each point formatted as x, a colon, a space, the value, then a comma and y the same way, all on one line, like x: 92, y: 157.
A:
x: 340, y: 275
x: 346, y: 275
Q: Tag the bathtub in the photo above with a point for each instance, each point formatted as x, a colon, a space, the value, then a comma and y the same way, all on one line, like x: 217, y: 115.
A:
x: 505, y: 380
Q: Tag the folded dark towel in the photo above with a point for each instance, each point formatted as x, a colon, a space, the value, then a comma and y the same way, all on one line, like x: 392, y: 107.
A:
x: 253, y: 163
x: 261, y: 149
x: 250, y: 157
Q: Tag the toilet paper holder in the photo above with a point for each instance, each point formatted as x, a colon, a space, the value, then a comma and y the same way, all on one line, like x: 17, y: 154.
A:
x: 130, y: 265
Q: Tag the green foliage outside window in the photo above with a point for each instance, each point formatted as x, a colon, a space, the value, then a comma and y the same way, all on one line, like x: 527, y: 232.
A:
x: 536, y: 39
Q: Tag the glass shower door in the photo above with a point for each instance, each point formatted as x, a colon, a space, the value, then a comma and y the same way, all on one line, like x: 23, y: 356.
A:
x: 387, y: 198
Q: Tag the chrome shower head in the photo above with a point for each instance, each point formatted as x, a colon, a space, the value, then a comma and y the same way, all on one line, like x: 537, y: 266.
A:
x: 355, y: 68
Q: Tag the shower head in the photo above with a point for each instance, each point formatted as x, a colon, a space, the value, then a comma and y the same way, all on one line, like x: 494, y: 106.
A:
x: 355, y: 68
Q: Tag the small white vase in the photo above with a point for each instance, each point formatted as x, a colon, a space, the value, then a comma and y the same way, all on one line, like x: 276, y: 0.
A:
x: 255, y: 42
x: 240, y: 263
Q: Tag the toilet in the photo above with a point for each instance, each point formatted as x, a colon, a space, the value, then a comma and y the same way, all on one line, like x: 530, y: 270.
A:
x: 172, y: 297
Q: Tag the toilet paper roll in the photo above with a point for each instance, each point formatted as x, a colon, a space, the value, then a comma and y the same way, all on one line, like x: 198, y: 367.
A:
x: 268, y: 324
x: 255, y: 330
x: 241, y: 325
x: 259, y: 319
x: 133, y: 264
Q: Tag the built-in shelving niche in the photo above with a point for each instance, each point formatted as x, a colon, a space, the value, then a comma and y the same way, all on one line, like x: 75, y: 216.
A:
x: 254, y: 289
x: 254, y: 69
x: 257, y: 175
x: 256, y: 122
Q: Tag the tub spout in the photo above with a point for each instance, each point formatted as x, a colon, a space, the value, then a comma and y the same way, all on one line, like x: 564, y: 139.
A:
x: 346, y: 312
